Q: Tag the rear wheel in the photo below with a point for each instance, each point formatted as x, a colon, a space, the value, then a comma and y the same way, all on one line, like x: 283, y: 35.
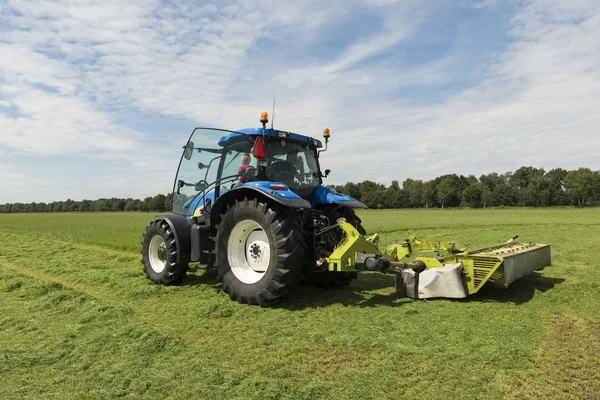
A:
x: 159, y: 254
x: 259, y: 251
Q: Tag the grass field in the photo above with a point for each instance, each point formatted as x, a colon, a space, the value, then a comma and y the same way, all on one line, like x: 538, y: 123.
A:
x: 78, y: 319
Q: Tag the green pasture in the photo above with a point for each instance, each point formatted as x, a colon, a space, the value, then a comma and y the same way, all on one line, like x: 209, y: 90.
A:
x: 79, y: 320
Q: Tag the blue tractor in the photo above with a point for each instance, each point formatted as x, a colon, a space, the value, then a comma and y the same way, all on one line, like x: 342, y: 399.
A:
x: 254, y: 207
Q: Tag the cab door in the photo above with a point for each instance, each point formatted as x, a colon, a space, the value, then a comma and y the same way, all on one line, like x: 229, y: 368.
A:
x: 197, y: 173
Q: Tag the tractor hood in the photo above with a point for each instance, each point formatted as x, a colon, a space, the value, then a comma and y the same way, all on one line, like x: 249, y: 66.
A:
x: 284, y: 192
x: 326, y: 195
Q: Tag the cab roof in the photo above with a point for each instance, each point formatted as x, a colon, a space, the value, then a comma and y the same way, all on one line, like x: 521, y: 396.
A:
x: 269, y: 132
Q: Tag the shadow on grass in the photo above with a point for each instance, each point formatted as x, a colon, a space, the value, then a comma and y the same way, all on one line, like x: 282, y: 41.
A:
x: 362, y: 292
x: 519, y: 292
x: 205, y: 277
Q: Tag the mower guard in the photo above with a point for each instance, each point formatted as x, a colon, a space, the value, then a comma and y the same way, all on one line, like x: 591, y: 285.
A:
x: 498, y: 265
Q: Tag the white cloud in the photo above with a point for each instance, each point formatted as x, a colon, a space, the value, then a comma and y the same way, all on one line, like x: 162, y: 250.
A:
x: 66, y: 67
x: 482, y: 4
x: 69, y: 69
x: 537, y: 106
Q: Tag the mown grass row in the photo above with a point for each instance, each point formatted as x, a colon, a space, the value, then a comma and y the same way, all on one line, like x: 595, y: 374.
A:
x: 79, y: 320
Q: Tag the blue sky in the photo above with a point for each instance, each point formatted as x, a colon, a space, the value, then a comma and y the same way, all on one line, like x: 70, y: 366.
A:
x: 97, y: 98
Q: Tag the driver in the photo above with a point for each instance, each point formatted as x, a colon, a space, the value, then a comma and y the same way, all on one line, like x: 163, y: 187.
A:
x: 245, y: 159
x: 295, y: 160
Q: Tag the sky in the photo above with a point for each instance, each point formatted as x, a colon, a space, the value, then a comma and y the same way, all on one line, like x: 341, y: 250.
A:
x: 97, y: 98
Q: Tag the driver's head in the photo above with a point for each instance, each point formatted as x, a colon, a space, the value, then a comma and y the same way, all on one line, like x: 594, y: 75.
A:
x: 245, y: 158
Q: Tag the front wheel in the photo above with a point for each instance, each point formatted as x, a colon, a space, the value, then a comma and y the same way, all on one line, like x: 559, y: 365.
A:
x: 159, y: 254
x: 259, y: 251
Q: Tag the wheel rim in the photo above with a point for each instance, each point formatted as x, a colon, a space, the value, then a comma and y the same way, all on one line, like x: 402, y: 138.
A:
x: 157, y: 254
x: 248, y: 251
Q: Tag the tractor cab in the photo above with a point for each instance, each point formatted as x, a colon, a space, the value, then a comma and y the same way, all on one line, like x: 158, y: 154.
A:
x: 275, y: 156
x: 283, y: 164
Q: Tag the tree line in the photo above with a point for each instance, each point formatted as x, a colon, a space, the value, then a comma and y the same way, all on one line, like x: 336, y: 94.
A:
x: 158, y: 203
x: 526, y: 187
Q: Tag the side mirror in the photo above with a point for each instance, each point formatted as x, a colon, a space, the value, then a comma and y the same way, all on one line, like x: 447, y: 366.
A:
x: 201, y: 165
x: 327, y: 172
x: 188, y: 150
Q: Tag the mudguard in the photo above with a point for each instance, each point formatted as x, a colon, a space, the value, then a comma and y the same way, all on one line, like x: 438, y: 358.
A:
x: 179, y: 224
x: 257, y: 189
x: 325, y: 195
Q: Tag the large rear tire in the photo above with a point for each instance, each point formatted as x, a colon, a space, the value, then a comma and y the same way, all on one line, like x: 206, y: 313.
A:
x: 260, y: 252
x: 159, y: 254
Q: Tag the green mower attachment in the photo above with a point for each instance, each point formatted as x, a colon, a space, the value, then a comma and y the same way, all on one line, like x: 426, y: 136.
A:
x: 498, y: 265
